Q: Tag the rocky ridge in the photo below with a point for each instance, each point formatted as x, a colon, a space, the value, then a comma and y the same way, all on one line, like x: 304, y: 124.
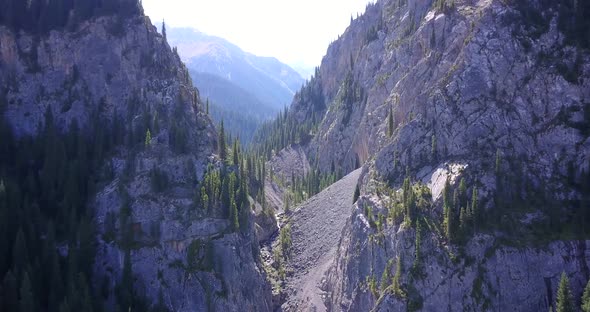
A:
x: 477, y: 91
x: 124, y: 74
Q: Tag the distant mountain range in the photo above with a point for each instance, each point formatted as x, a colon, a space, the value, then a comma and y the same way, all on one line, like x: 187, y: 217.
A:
x: 239, y: 85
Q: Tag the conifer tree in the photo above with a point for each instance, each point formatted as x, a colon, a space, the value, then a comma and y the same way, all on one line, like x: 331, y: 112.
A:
x: 397, y: 277
x: 125, y: 292
x: 386, y: 276
x: 64, y: 306
x: 233, y: 215
x: 221, y: 143
x: 450, y: 224
x: 474, y: 208
x: 9, y: 285
x: 447, y: 207
x: 564, y: 296
x: 164, y: 30
x: 498, y: 169
x: 462, y: 194
x: 148, y: 138
x: 27, y: 302
x: 235, y: 152
x: 418, y: 256
x: 586, y: 298
x: 20, y: 252
x: 390, y: 123
x: 462, y: 220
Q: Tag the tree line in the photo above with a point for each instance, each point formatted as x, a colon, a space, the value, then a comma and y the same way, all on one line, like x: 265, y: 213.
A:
x: 41, y: 16
x: 47, y: 234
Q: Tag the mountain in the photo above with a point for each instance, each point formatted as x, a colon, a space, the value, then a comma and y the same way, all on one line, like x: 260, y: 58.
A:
x: 471, y: 122
x: 241, y: 111
x: 266, y: 78
x: 114, y: 189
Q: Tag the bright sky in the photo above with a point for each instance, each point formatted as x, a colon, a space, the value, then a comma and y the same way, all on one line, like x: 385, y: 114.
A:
x: 296, y: 32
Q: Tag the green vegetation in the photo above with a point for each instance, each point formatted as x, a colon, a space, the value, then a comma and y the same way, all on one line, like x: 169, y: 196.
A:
x: 300, y: 189
x: 285, y: 241
x: 148, y: 138
x: 586, y: 298
x: 48, y: 180
x: 38, y: 16
x: 289, y: 129
x: 417, y: 265
x: 396, y: 284
x: 241, y: 111
x: 565, y: 301
x: 516, y: 195
x: 225, y: 192
x: 372, y: 286
x: 390, y: 125
x: 221, y: 147
x: 415, y: 202
x: 200, y: 256
x: 373, y: 32
x: 461, y: 215
x: 444, y: 5
x: 386, y: 276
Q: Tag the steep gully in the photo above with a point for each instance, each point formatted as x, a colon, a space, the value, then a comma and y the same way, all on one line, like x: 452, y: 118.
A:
x: 316, y: 226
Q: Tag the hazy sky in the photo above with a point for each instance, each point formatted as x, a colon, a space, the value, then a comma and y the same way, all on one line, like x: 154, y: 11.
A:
x: 296, y: 32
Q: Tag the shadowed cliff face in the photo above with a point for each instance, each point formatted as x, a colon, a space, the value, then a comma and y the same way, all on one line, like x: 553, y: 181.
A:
x: 125, y: 80
x: 478, y: 91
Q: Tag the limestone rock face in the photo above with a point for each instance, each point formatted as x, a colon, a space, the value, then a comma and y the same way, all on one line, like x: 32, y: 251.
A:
x: 124, y: 73
x: 465, y: 85
x: 487, y: 277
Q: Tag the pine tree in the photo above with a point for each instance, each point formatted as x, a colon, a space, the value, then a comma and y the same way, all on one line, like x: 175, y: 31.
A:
x: 233, y: 215
x: 498, y: 169
x: 397, y: 276
x: 462, y: 220
x: 10, y: 295
x: 148, y: 138
x: 386, y: 276
x: 221, y: 143
x: 27, y: 303
x: 586, y: 298
x: 390, y: 123
x: 564, y: 296
x: 64, y: 306
x: 20, y: 252
x: 474, y: 209
x: 235, y: 153
x: 462, y: 194
x: 446, y: 206
x: 56, y: 283
x: 164, y: 30
x: 125, y: 292
x: 207, y: 109
x: 450, y: 224
x: 418, y: 256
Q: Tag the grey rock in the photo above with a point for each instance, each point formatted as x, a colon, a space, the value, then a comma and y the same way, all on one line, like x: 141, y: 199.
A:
x: 90, y: 72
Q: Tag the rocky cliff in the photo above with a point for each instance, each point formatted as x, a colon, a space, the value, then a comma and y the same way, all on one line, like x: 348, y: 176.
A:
x: 487, y: 95
x: 119, y: 76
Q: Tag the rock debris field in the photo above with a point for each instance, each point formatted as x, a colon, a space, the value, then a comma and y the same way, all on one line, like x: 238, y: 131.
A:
x: 316, y: 226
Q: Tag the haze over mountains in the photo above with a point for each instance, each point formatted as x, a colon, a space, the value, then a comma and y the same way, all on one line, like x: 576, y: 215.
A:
x: 242, y: 88
x: 437, y: 160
